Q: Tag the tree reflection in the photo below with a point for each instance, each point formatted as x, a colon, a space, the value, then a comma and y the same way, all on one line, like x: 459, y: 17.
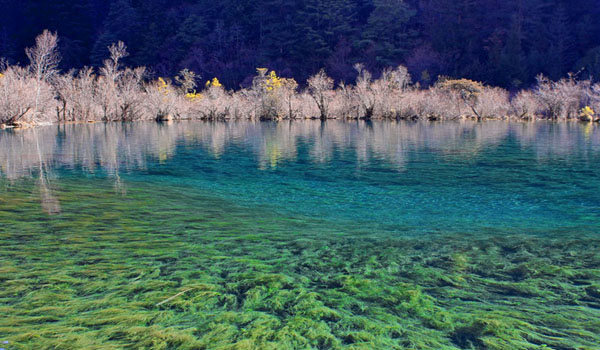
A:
x: 115, y: 148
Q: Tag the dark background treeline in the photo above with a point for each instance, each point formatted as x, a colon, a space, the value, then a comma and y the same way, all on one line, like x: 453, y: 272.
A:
x: 500, y: 42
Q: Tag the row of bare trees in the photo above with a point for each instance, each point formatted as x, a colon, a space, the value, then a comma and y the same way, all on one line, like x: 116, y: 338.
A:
x: 40, y: 93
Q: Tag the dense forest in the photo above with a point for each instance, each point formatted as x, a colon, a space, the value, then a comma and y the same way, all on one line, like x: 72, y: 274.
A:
x: 499, y: 42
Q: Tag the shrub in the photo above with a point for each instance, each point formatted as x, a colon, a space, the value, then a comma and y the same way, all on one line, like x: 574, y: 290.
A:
x: 120, y: 90
x: 161, y: 100
x: 594, y: 98
x: 525, y: 105
x: 464, y: 92
x: 561, y: 99
x: 215, y: 101
x: 346, y: 104
x: 389, y: 90
x: 77, y: 96
x: 432, y: 104
x: 493, y: 103
x: 19, y: 93
x: 364, y: 92
x: 276, y: 96
x: 319, y: 88
x: 587, y: 114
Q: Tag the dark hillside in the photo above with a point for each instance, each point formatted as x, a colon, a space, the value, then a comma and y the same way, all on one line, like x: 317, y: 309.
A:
x: 500, y: 42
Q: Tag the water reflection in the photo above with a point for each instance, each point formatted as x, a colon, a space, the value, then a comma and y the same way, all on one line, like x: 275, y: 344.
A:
x: 113, y: 148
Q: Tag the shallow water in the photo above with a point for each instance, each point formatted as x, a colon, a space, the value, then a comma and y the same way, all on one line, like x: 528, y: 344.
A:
x: 301, y: 235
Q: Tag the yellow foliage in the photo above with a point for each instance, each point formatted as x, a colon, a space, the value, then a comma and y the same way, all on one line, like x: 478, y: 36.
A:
x: 193, y: 96
x: 163, y: 86
x: 273, y: 82
x: 587, y: 111
x: 1, y: 75
x: 215, y: 82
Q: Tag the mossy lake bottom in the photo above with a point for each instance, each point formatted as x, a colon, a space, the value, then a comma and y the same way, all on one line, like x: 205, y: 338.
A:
x: 302, y: 235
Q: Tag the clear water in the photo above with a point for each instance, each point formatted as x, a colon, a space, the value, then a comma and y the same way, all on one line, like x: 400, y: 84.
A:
x: 401, y: 235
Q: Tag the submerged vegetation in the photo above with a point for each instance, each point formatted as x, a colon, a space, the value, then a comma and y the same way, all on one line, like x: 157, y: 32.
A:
x: 38, y: 93
x: 96, y: 276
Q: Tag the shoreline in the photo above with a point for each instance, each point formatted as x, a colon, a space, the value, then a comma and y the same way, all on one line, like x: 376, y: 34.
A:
x: 25, y: 126
x: 115, y: 92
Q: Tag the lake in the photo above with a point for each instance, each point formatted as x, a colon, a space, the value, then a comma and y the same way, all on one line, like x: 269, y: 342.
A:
x: 300, y: 235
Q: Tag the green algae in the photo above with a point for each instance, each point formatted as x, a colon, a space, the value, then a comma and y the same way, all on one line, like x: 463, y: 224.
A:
x: 96, y: 280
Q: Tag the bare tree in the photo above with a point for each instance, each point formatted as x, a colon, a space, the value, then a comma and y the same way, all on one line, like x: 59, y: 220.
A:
x: 111, y: 68
x: 345, y: 104
x: 120, y: 90
x: 378, y: 98
x: 525, y: 105
x: 17, y: 94
x: 77, y: 94
x: 562, y: 99
x: 131, y: 94
x: 288, y: 93
x: 319, y: 87
x: 162, y: 100
x: 364, y: 91
x: 389, y: 89
x: 118, y: 93
x: 44, y: 57
x: 187, y: 81
x: 107, y: 83
x: 43, y: 62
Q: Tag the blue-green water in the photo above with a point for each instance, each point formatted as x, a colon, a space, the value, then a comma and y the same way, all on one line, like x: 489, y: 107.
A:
x: 301, y: 235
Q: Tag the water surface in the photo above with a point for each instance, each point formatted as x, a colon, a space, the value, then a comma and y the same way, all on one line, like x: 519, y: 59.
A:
x: 301, y: 235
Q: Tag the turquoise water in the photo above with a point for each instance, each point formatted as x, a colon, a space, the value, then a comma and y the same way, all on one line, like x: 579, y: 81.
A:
x: 401, y: 235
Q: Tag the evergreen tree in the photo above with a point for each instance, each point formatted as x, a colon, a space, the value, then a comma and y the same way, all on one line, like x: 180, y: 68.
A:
x: 589, y: 65
x: 388, y: 32
x: 495, y: 41
x: 561, y: 51
x: 278, y: 31
x: 122, y: 23
x: 321, y: 25
x: 511, y: 69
